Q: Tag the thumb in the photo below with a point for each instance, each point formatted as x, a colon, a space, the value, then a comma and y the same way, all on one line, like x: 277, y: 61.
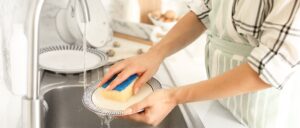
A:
x: 138, y: 107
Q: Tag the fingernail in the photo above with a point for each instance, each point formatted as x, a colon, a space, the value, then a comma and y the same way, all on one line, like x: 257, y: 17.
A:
x: 128, y: 111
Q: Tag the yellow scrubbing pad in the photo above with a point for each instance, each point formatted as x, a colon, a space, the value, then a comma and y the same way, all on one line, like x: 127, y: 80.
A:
x: 122, y: 92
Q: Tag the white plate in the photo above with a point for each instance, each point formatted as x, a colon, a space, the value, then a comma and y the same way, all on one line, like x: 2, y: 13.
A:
x: 70, y: 59
x: 101, y: 106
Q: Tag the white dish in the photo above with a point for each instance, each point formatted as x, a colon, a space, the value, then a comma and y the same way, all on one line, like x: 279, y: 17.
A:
x: 101, y: 106
x: 70, y: 59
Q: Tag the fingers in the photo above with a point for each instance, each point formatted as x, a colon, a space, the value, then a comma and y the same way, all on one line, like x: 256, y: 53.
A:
x: 139, y: 117
x: 137, y: 107
x: 112, y: 71
x: 144, y: 117
x: 120, y: 78
x: 141, y: 81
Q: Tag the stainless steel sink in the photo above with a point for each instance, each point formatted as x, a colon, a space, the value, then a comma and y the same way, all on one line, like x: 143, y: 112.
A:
x: 64, y: 109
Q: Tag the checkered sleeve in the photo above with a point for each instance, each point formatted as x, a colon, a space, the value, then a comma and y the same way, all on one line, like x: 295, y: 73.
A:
x: 277, y: 56
x: 201, y: 8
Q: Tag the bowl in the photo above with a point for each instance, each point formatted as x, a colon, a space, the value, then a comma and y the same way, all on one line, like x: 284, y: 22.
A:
x: 164, y: 25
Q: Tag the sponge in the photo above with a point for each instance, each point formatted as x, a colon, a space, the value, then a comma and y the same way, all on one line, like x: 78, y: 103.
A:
x: 122, y: 92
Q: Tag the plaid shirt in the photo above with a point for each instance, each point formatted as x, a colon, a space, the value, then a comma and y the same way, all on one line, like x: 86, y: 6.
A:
x: 271, y: 26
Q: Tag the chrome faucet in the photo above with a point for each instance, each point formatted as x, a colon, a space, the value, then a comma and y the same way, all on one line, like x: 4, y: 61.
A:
x: 31, y: 102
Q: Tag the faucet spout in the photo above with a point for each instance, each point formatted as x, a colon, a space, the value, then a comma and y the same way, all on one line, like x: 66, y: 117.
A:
x: 31, y: 102
x: 33, y: 49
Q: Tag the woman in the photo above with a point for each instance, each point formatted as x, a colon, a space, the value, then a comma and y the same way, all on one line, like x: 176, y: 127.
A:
x: 252, y: 54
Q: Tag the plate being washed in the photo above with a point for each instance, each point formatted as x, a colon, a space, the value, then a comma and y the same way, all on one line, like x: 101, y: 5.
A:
x: 93, y: 100
x: 70, y: 59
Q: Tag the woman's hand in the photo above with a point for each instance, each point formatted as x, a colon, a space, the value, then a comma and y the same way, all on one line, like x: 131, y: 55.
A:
x: 156, y: 107
x: 144, y: 65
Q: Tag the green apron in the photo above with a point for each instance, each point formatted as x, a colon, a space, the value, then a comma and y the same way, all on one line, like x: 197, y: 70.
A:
x: 250, y: 109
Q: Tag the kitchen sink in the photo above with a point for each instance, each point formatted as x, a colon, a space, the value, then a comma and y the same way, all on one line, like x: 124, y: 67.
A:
x: 64, y: 109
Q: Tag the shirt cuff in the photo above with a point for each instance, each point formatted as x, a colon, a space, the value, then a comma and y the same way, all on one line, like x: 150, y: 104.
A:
x: 275, y: 70
x: 201, y: 9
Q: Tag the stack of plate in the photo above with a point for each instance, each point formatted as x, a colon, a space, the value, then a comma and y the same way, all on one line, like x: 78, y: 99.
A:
x: 71, y: 28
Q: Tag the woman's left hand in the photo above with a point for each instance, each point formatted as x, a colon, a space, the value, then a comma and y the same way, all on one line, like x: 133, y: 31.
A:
x: 156, y: 107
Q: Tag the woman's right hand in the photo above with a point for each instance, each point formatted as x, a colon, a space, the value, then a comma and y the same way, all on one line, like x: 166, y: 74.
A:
x: 145, y: 65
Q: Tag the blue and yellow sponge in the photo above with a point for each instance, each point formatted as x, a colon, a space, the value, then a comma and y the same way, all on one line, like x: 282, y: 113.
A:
x: 122, y: 92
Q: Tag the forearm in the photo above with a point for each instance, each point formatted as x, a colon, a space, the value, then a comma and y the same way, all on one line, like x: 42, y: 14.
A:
x: 182, y: 34
x: 240, y: 80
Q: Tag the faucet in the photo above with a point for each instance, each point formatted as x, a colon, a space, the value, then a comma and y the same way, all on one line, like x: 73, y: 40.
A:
x: 31, y: 102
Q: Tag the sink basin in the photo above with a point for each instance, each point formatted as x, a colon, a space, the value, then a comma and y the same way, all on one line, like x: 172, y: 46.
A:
x: 65, y: 110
